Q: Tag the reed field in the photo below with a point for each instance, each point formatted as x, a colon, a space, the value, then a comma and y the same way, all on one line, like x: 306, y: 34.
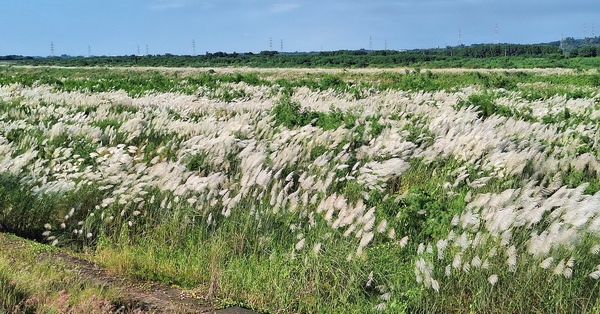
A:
x: 301, y: 191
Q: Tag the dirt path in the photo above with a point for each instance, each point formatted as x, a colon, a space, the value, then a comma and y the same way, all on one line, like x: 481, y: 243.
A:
x: 141, y: 296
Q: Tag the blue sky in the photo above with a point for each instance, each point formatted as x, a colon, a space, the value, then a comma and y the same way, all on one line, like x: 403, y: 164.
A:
x: 119, y: 27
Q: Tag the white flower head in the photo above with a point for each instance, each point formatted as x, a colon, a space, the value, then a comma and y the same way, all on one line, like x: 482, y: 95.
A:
x: 300, y: 244
x: 493, y: 279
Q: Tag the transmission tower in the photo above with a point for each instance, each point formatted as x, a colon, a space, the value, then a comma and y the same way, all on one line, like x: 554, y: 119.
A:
x: 562, y: 38
x: 193, y: 48
x: 593, y: 35
x: 281, y: 45
x: 270, y: 44
x: 370, y: 43
x: 584, y: 34
x: 147, y: 50
x: 496, y: 35
x: 52, y: 49
x: 459, y: 37
x: 385, y: 44
x: 89, y: 51
x: 138, y: 50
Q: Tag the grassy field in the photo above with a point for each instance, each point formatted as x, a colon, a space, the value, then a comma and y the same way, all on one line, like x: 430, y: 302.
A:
x: 315, y: 191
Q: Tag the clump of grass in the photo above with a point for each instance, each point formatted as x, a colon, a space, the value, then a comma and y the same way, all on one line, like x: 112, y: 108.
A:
x: 31, y: 284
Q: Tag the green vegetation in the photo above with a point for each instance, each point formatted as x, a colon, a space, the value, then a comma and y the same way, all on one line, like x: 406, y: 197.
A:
x: 476, y: 56
x: 339, y: 191
x: 31, y: 285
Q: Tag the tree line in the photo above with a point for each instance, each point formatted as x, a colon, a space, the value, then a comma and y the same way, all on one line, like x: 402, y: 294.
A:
x: 503, y: 55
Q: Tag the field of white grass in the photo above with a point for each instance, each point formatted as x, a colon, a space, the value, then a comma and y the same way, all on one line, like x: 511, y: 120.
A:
x: 470, y: 198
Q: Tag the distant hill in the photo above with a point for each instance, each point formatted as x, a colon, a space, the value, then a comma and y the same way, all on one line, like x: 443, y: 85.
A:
x: 15, y: 58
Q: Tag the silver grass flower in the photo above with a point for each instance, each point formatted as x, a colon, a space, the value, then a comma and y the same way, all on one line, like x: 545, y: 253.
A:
x: 386, y: 296
x: 463, y: 241
x: 568, y: 272
x: 455, y: 220
x: 466, y: 267
x: 506, y: 237
x: 441, y: 248
x: 476, y: 261
x: 403, y: 242
x: 457, y: 261
x: 366, y: 238
x: 368, y: 224
x: 369, y: 279
x: 317, y: 248
x: 391, y: 233
x: 381, y: 307
x: 485, y: 264
x: 435, y: 285
x: 545, y: 264
x: 420, y: 249
x: 381, y: 227
x: 560, y: 267
x: 493, y: 279
x: 300, y: 244
x: 429, y: 248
